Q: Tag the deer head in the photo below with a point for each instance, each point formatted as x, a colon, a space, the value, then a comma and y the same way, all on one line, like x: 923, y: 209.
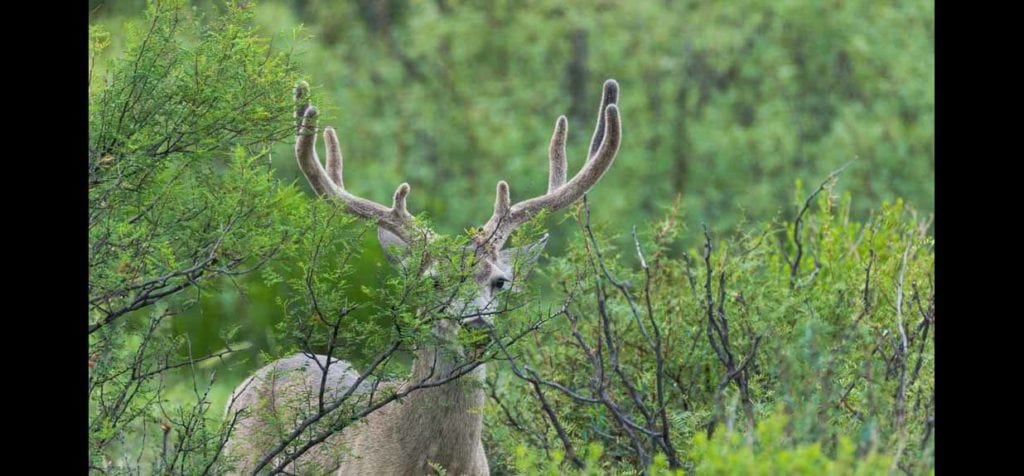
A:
x: 492, y: 267
x: 403, y: 439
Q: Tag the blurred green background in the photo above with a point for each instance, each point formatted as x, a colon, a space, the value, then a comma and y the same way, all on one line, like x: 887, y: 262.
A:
x: 726, y: 105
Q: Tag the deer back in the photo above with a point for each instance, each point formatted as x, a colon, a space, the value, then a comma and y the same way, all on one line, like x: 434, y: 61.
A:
x: 271, y: 402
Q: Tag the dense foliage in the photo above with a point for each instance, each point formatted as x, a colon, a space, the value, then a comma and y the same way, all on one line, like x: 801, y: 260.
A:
x: 728, y: 105
x: 179, y: 195
x: 783, y: 349
x: 706, y: 314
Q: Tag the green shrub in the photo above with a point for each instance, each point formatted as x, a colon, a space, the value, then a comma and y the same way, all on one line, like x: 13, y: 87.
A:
x: 179, y: 194
x: 817, y: 343
x: 774, y: 453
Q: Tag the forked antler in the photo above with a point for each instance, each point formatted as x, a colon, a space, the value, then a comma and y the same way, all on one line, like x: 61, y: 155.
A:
x: 603, y: 146
x: 329, y: 183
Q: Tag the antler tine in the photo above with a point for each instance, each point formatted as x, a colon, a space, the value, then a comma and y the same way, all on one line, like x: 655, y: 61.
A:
x: 301, y: 94
x: 502, y: 201
x: 330, y: 183
x: 609, y: 95
x: 556, y: 155
x: 305, y: 153
x: 334, y: 160
x: 560, y: 193
x: 398, y: 207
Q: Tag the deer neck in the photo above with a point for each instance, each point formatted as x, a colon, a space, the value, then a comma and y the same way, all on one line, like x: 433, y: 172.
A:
x: 460, y: 399
x: 442, y: 424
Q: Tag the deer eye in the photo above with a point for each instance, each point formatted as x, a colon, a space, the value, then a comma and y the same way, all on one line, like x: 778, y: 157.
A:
x: 501, y: 284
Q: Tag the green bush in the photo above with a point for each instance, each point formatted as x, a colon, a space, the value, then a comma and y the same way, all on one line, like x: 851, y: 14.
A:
x: 180, y: 195
x: 837, y: 345
x: 729, y: 453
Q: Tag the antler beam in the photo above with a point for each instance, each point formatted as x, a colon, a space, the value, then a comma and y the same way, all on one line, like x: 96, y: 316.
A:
x: 603, y: 147
x: 329, y: 182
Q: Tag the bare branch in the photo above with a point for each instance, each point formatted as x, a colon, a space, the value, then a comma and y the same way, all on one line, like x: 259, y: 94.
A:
x: 795, y: 265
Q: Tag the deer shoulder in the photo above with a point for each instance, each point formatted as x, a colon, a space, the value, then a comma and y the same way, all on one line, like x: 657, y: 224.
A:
x: 270, y: 403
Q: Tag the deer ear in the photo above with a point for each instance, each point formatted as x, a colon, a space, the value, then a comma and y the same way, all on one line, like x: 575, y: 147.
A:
x: 396, y: 250
x: 523, y: 258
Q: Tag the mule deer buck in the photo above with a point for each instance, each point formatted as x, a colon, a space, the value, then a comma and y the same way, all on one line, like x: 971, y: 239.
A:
x: 437, y: 425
